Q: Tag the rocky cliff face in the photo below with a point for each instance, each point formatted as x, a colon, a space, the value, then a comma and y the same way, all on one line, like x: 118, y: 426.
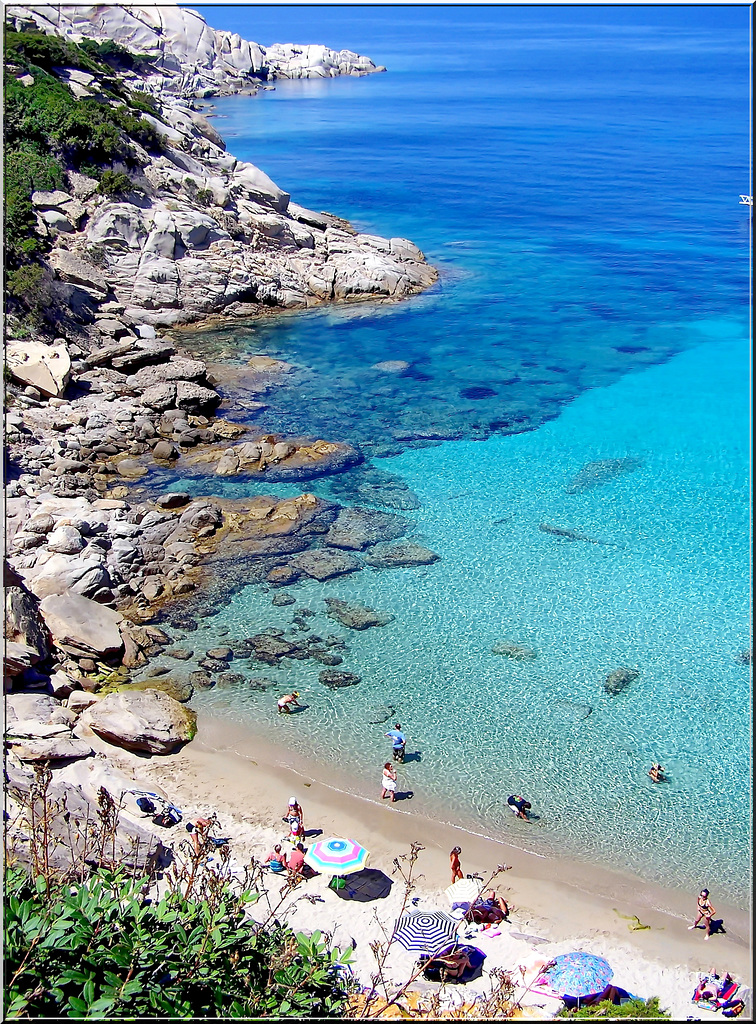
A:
x: 189, y: 57
x: 197, y: 231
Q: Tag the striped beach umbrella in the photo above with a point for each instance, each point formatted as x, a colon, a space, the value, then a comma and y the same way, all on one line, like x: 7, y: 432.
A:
x: 336, y: 856
x: 425, y: 931
x: 466, y: 890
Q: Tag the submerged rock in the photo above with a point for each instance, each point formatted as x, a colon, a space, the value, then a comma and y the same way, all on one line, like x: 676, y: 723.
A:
x: 406, y: 553
x: 281, y: 600
x: 744, y: 657
x: 600, y: 472
x: 322, y: 564
x: 357, y: 528
x: 356, y: 616
x: 514, y: 651
x: 573, y: 709
x: 380, y: 714
x: 336, y: 680
x: 617, y: 680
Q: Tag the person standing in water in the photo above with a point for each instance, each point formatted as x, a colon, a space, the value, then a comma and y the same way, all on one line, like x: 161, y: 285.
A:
x: 398, y: 740
x: 287, y: 702
x: 456, y: 870
x: 519, y: 806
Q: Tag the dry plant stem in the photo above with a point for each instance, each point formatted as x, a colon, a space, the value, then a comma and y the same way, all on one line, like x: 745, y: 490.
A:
x: 382, y: 951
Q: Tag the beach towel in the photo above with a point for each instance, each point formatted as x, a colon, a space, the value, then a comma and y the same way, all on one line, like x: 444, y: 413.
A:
x: 714, y: 993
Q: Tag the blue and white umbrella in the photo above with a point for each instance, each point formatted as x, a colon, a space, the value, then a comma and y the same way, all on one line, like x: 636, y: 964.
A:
x: 578, y: 974
x: 425, y: 931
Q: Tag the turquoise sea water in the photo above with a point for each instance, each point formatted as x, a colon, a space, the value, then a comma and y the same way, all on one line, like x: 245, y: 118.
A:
x: 575, y: 176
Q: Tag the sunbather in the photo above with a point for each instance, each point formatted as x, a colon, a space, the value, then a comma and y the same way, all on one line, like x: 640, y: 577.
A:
x: 451, y: 965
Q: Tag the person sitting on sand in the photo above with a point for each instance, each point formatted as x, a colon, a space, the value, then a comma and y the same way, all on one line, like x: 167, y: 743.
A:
x: 456, y: 870
x: 452, y: 965
x: 519, y: 805
x: 287, y: 702
x: 276, y: 860
x: 295, y: 863
x: 656, y: 772
x: 388, y: 782
x: 488, y: 909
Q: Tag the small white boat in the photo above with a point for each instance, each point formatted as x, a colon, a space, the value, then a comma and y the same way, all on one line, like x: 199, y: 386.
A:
x: 746, y: 201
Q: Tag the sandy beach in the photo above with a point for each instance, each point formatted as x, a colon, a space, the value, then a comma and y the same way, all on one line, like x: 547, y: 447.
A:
x: 559, y: 905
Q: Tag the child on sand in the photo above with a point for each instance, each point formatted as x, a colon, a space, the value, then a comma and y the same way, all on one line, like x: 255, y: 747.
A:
x: 456, y: 870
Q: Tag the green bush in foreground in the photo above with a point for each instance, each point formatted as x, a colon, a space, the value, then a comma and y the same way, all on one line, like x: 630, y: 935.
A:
x: 98, y: 949
x: 633, y: 1009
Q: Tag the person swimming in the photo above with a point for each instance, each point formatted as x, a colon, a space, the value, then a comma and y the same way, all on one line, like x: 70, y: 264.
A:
x: 656, y: 773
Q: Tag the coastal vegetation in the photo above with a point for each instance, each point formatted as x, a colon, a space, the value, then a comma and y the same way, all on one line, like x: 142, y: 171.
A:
x: 633, y: 1009
x: 49, y: 132
x: 83, y: 939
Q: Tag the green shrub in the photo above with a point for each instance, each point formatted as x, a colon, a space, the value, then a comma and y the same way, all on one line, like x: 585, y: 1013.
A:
x: 204, y: 197
x: 115, y: 55
x: 33, y: 47
x: 115, y: 183
x: 634, y: 1009
x: 29, y: 285
x: 97, y: 950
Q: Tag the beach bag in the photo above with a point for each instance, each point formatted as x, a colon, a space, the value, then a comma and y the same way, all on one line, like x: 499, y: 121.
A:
x: 170, y: 816
x: 146, y: 805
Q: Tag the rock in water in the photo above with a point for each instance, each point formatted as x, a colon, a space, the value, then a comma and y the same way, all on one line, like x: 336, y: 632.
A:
x: 356, y: 616
x: 573, y: 709
x: 336, y: 680
x: 617, y: 680
x: 744, y: 657
x: 514, y: 651
x: 357, y: 528
x: 380, y: 714
x: 324, y: 565
x: 406, y: 553
x: 596, y: 474
x: 142, y: 720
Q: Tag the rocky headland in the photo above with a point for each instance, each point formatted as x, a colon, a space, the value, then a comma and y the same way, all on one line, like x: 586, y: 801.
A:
x: 161, y: 226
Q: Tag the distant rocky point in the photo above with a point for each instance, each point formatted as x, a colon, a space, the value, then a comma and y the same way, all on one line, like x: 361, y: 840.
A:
x: 190, y: 58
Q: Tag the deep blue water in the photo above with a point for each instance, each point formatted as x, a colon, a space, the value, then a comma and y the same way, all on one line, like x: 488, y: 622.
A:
x: 574, y: 173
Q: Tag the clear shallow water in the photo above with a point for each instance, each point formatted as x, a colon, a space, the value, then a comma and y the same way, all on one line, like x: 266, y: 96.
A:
x: 579, y: 192
x: 672, y: 601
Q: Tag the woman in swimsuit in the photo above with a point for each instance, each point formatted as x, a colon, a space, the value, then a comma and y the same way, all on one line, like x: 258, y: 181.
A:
x: 705, y: 913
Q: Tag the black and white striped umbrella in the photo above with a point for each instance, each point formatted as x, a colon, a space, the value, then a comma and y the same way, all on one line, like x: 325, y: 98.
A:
x: 425, y: 931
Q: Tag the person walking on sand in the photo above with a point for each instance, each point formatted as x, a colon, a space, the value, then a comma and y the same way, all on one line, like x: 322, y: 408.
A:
x: 398, y: 740
x: 705, y: 913
x: 294, y: 812
x: 287, y: 702
x: 456, y: 870
x: 388, y: 782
